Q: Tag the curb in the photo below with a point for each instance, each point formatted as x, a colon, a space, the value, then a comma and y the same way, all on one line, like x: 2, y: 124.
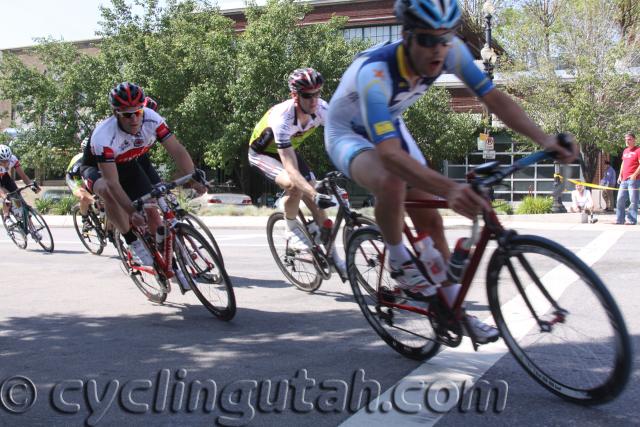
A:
x: 567, y: 221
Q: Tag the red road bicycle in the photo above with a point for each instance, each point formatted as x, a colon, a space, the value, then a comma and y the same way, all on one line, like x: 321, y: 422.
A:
x: 552, y: 310
x: 183, y: 248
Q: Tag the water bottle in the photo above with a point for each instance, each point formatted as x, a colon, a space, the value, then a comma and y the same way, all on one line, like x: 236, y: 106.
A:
x: 431, y: 259
x: 327, y: 227
x: 459, y: 259
x: 160, y: 232
x: 314, y: 231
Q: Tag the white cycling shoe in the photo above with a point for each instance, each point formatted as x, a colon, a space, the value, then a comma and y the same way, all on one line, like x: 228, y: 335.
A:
x: 140, y: 253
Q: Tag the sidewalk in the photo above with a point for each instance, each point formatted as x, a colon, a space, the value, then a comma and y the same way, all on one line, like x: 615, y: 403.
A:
x: 567, y: 221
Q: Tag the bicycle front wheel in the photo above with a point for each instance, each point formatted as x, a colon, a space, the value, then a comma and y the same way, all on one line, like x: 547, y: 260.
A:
x: 90, y: 233
x: 297, y: 266
x: 559, y: 321
x: 199, y: 225
x: 206, y: 275
x: 410, y: 334
x: 348, y: 230
x: 39, y: 230
x: 13, y: 226
x: 152, y: 286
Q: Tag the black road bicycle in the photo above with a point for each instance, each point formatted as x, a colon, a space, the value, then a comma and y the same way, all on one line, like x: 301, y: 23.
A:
x: 307, y: 269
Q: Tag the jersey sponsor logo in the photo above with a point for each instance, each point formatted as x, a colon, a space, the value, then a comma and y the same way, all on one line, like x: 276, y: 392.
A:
x: 383, y: 127
x: 138, y: 142
x: 379, y: 74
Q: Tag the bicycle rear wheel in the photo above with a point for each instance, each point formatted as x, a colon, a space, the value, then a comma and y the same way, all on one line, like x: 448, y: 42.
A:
x: 152, y: 286
x: 199, y: 225
x: 206, y: 275
x: 410, y: 334
x: 91, y: 234
x: 39, y: 230
x: 297, y: 266
x: 13, y: 226
x: 578, y: 346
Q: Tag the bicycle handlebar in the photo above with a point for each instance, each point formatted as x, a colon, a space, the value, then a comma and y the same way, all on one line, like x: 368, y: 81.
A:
x: 160, y: 190
x: 497, y: 176
x: 33, y: 184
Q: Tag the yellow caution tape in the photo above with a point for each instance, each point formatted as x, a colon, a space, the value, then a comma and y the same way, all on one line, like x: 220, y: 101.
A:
x: 586, y: 184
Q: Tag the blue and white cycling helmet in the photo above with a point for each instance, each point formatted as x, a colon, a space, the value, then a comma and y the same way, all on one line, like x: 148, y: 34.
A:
x: 428, y: 14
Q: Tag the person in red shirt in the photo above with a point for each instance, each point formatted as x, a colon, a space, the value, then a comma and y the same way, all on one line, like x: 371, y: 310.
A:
x: 628, y: 180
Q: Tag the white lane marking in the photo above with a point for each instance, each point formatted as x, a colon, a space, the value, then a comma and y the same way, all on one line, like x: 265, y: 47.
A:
x: 462, y: 364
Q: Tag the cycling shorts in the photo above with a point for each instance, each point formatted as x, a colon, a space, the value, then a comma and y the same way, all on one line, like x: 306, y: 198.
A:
x: 271, y: 166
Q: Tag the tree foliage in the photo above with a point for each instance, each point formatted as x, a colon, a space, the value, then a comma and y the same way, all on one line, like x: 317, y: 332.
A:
x: 593, y: 97
x: 441, y: 133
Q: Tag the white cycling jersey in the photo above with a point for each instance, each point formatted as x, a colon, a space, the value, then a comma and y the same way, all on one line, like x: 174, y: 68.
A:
x: 280, y: 128
x: 109, y: 143
x: 13, y: 162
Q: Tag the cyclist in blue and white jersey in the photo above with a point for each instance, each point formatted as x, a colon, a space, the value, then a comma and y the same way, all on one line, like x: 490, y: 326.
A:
x: 367, y: 139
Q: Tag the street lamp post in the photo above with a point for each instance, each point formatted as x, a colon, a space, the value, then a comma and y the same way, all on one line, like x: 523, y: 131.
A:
x: 487, y: 53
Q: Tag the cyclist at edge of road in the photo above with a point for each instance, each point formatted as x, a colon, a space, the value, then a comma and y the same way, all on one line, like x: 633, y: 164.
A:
x: 111, y: 167
x: 368, y: 141
x: 73, y: 178
x: 9, y: 161
x: 273, y: 150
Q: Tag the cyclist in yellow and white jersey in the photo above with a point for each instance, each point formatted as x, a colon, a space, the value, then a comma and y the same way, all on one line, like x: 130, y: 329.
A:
x: 273, y: 151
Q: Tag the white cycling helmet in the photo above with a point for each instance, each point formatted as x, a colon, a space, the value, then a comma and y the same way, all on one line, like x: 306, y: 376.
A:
x: 428, y: 14
x: 5, y: 152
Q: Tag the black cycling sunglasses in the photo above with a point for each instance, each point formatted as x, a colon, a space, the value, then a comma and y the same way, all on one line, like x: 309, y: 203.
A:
x: 430, y: 40
x: 309, y: 95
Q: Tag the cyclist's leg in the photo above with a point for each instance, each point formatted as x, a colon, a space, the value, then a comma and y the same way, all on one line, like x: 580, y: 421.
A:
x: 271, y: 167
x: 7, y: 185
x: 95, y: 183
x: 318, y: 214
x: 427, y: 220
x: 153, y: 216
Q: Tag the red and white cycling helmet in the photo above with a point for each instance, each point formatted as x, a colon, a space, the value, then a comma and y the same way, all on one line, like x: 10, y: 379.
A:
x: 305, y: 80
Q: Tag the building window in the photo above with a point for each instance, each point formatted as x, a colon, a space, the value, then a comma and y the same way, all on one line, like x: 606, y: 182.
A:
x: 376, y: 34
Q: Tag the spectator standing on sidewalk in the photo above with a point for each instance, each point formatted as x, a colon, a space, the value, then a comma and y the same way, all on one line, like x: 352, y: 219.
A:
x: 608, y: 180
x: 628, y: 180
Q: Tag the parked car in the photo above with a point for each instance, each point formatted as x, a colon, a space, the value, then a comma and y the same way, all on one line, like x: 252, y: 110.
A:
x: 221, y: 195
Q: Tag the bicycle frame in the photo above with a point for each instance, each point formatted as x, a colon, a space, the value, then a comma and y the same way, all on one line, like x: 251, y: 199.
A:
x: 492, y: 229
x: 344, y: 214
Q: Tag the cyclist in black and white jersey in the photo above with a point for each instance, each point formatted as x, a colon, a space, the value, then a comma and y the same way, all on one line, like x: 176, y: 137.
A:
x: 9, y: 161
x: 110, y: 159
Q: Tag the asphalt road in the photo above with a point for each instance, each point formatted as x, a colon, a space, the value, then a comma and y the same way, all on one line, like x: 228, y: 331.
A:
x: 97, y: 352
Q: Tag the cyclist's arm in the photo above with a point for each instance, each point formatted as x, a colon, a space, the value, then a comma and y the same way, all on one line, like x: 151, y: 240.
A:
x: 512, y: 115
x: 109, y: 173
x: 179, y: 154
x: 22, y: 175
x: 290, y: 163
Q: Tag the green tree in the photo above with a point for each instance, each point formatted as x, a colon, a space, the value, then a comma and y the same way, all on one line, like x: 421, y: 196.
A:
x: 56, y: 104
x: 594, y: 99
x: 183, y: 56
x: 440, y: 132
x: 272, y: 45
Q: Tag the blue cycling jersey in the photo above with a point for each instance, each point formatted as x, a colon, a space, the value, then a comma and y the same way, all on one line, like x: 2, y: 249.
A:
x: 375, y: 90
